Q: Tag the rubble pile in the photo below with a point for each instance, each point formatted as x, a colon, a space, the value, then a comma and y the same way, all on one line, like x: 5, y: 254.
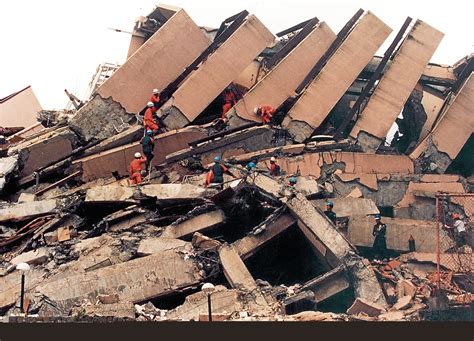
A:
x: 298, y: 123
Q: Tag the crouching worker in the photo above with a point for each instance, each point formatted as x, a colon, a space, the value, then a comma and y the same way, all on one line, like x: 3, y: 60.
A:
x: 148, y: 120
x: 136, y: 167
x: 216, y: 173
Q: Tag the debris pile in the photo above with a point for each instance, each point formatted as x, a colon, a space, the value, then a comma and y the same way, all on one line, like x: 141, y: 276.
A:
x: 263, y: 168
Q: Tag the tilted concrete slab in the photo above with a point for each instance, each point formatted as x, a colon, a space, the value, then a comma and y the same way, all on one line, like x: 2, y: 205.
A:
x: 432, y: 105
x: 216, y: 72
x: 10, y: 285
x: 164, y: 57
x: 452, y: 131
x: 26, y: 210
x: 118, y: 159
x: 200, y: 223
x: 283, y: 79
x: 134, y: 281
x: 337, y: 75
x: 398, y: 233
x: 38, y: 256
x: 396, y: 85
x: 150, y: 246
x: 317, y: 227
x: 110, y: 193
x: 130, y: 135
x: 249, y: 245
x: 7, y: 166
x: 348, y: 207
x: 328, y: 285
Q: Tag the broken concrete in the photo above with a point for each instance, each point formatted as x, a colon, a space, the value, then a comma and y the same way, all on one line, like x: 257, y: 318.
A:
x: 156, y: 245
x: 328, y: 285
x: 200, y: 223
x: 361, y: 306
x: 334, y: 79
x: 21, y: 211
x: 34, y: 257
x: 283, y: 79
x: 349, y: 207
x: 8, y: 165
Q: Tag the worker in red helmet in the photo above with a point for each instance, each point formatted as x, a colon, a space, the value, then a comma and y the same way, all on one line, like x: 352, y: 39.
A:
x: 266, y: 112
x: 148, y: 120
x: 136, y: 168
x: 459, y: 229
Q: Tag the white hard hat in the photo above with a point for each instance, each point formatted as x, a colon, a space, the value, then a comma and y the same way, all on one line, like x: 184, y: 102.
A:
x: 150, y: 104
x: 255, y: 110
x: 272, y: 159
x: 138, y: 155
x: 155, y: 91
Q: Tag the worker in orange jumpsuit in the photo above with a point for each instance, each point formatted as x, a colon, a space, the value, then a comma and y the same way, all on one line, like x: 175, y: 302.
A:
x: 266, y: 112
x: 136, y: 167
x: 155, y: 98
x: 148, y: 120
x: 229, y: 101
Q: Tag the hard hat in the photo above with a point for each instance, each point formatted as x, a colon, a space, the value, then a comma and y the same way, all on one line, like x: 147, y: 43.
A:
x: 155, y: 91
x: 255, y: 110
x: 150, y: 104
x: 217, y: 159
x: 456, y: 216
x: 272, y: 159
x: 149, y: 132
x: 329, y: 203
x: 377, y: 217
x: 251, y: 165
x: 293, y: 180
x: 138, y: 155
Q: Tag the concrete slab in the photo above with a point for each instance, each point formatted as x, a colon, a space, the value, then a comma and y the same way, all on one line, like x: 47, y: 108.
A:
x: 215, y: 73
x: 7, y: 166
x: 21, y: 211
x: 122, y: 310
x: 337, y: 75
x: 34, y: 257
x: 200, y: 223
x: 150, y: 246
x: 283, y: 79
x: 452, y: 131
x: 134, y: 281
x: 349, y: 207
x: 10, y: 285
x: 361, y: 306
x: 328, y: 285
x: 397, y: 83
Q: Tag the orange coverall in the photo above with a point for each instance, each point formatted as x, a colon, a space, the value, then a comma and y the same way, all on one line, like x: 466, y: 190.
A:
x: 267, y: 111
x: 229, y: 102
x: 148, y: 120
x: 155, y: 99
x: 135, y: 170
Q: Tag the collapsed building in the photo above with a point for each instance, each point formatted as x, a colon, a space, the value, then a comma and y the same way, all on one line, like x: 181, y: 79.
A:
x: 100, y: 247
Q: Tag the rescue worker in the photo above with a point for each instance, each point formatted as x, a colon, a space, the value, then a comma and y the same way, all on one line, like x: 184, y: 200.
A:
x: 459, y: 229
x: 148, y: 144
x: 292, y: 181
x: 136, y: 167
x: 266, y: 112
x: 148, y: 120
x: 216, y: 173
x: 274, y: 167
x: 155, y: 98
x: 329, y: 212
x: 379, y: 248
x: 229, y: 101
x: 251, y: 165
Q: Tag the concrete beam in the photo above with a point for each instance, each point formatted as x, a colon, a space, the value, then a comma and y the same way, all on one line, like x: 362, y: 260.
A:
x: 151, y: 246
x: 328, y: 285
x: 103, y: 164
x: 282, y: 81
x: 235, y: 270
x: 451, y: 132
x: 164, y: 57
x: 215, y: 73
x: 398, y: 233
x: 26, y: 210
x: 249, y: 245
x: 396, y: 85
x: 337, y: 75
x: 134, y: 281
x: 200, y: 223
x: 349, y: 207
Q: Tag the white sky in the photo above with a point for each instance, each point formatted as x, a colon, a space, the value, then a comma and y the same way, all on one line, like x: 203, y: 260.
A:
x: 54, y: 45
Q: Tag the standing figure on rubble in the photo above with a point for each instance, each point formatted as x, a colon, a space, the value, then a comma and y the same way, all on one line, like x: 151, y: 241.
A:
x: 274, y: 167
x: 148, y: 144
x: 251, y: 165
x: 266, y: 112
x: 459, y: 229
x: 292, y: 181
x: 148, y: 120
x: 329, y: 212
x: 379, y: 248
x: 216, y: 173
x: 229, y: 101
x: 136, y: 167
x: 155, y: 98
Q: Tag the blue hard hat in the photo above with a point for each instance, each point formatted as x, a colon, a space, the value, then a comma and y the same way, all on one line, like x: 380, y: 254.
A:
x: 293, y: 180
x: 251, y: 165
x: 377, y: 217
x: 217, y: 159
x: 149, y: 132
x: 329, y: 203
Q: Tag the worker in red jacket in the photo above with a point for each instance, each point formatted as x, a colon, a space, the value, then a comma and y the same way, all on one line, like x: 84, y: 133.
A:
x: 148, y: 120
x: 229, y: 101
x: 155, y: 98
x: 274, y: 167
x: 136, y: 167
x: 266, y: 112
